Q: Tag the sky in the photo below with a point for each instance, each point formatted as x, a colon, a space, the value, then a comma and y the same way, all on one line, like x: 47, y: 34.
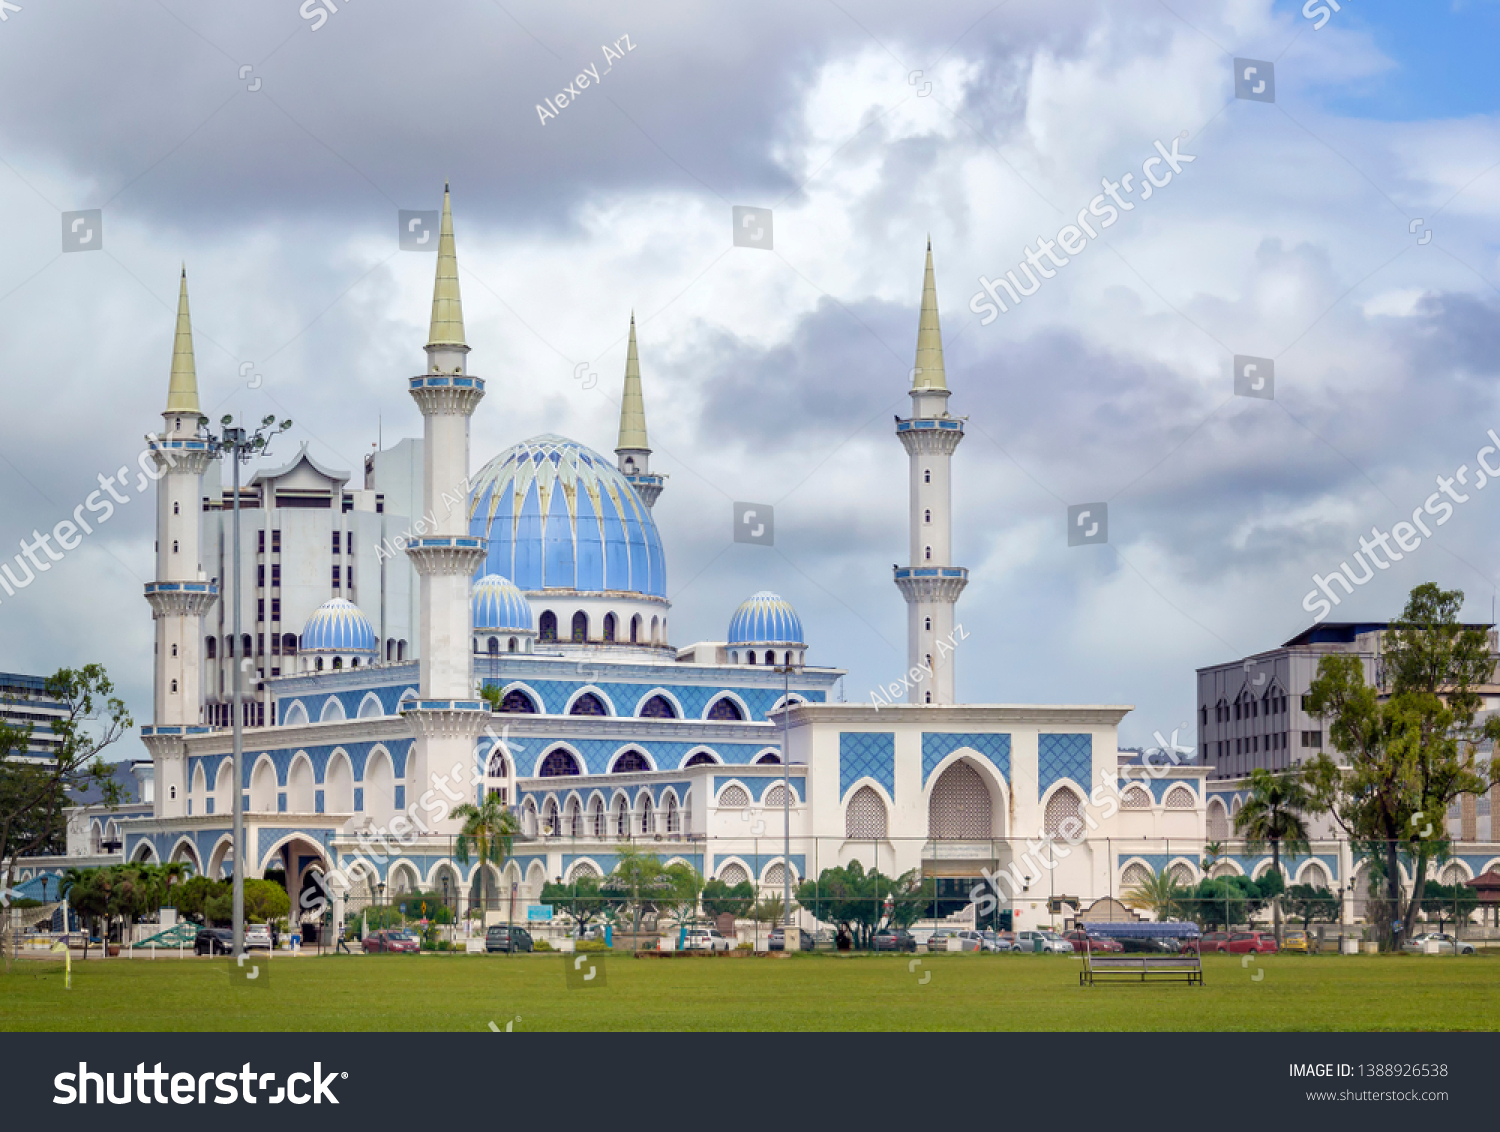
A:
x: 1344, y: 232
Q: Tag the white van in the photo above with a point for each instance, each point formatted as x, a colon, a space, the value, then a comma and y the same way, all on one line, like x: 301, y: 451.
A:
x: 704, y: 939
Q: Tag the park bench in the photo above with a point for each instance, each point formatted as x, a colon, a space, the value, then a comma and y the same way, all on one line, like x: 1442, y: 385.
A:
x: 1141, y: 968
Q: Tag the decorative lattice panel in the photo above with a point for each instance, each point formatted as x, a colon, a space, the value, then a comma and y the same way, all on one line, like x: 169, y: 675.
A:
x: 1061, y: 806
x: 865, y: 816
x: 1180, y: 798
x: 1135, y: 798
x: 734, y: 798
x: 960, y: 808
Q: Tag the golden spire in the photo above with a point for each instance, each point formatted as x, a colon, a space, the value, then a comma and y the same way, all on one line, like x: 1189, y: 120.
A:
x: 632, y: 404
x: 182, y: 393
x: 447, y: 307
x: 929, y: 373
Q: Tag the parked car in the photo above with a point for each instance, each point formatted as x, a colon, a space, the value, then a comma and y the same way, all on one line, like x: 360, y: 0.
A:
x: 1132, y: 945
x: 213, y: 941
x: 1241, y: 943
x: 997, y: 941
x: 704, y: 939
x: 1050, y: 942
x: 776, y: 942
x: 501, y: 937
x: 938, y: 940
x: 897, y: 939
x: 1213, y: 941
x: 257, y: 935
x: 1298, y: 941
x: 1084, y: 941
x: 392, y: 940
x: 1445, y: 944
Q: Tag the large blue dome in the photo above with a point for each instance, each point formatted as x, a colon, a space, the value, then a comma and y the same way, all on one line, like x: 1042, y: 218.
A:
x: 560, y: 516
x: 338, y: 626
x: 765, y: 619
x: 499, y: 607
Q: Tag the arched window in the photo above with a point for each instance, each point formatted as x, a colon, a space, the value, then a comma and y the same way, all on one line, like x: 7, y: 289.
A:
x: 174, y: 650
x: 770, y: 657
x: 1135, y: 798
x: 751, y: 655
x: 777, y: 797
x: 648, y: 815
x: 630, y: 762
x: 1218, y: 821
x: 658, y: 707
x: 1181, y: 874
x: 734, y: 798
x: 926, y: 476
x: 609, y: 627
x: 960, y: 808
x: 547, y: 626
x: 588, y: 704
x: 725, y: 709
x: 635, y: 629
x: 596, y: 817
x: 494, y: 646
x: 497, y: 766
x: 674, y: 818
x: 573, y: 820
x: 513, y: 645
x: 558, y: 764
x: 929, y: 697
x: 927, y: 516
x: 733, y: 874
x: 1180, y: 798
x: 768, y: 759
x: 929, y: 624
x: 212, y: 645
x: 1135, y: 876
x: 865, y: 816
x: 702, y: 758
x: 517, y: 702
x: 622, y: 819
x: 929, y: 554
x: 318, y: 664
x: 580, y: 627
x: 174, y: 546
x: 338, y: 662
x: 289, y: 645
x: 653, y: 631
x: 1061, y: 806
x: 174, y: 685
x: 176, y: 509
x: 549, y: 817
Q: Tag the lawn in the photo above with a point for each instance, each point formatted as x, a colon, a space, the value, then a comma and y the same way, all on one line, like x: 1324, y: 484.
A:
x: 803, y: 992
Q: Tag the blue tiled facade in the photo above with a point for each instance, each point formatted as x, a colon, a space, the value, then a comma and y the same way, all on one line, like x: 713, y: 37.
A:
x: 869, y: 754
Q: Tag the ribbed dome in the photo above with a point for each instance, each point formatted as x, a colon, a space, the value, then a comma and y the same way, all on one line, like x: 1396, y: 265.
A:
x: 560, y: 516
x: 499, y: 607
x: 765, y: 619
x: 338, y: 626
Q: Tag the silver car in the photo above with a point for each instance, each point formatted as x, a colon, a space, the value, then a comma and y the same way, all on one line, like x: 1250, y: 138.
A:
x: 258, y: 935
x: 1050, y: 942
x: 1445, y: 944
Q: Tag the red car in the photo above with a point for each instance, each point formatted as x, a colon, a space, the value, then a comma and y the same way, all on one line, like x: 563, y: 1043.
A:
x: 1243, y: 942
x: 1082, y: 941
x: 1213, y: 941
x: 391, y: 939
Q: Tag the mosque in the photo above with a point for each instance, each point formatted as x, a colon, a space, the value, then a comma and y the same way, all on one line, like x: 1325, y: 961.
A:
x: 382, y: 612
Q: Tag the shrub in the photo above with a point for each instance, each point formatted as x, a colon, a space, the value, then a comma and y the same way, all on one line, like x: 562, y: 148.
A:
x: 746, y: 946
x: 590, y: 945
x: 541, y: 945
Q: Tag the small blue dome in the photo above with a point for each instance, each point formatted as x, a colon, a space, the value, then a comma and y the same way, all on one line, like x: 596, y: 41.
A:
x: 499, y: 607
x: 338, y: 626
x: 765, y: 619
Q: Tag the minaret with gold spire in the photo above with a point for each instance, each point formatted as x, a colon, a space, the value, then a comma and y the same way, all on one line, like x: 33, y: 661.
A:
x: 931, y: 584
x: 181, y: 595
x: 634, y: 450
x: 448, y: 716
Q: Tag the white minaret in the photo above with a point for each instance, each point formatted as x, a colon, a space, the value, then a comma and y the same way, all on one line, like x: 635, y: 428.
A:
x: 448, y: 716
x: 633, y: 450
x: 931, y: 584
x: 181, y: 595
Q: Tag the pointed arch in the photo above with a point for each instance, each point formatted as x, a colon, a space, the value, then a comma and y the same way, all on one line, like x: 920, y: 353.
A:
x: 733, y: 796
x: 379, y: 785
x: 338, y: 783
x: 1181, y: 797
x: 700, y: 756
x: 185, y: 852
x: 631, y: 760
x: 558, y: 761
x: 520, y: 698
x: 865, y: 815
x: 727, y: 707
x: 1218, y: 820
x: 370, y: 707
x: 659, y: 704
x: 1063, y: 805
x: 732, y: 871
x: 589, y: 700
x: 300, y: 785
x: 333, y: 711
x: 296, y: 715
x: 966, y: 798
x: 1135, y: 797
x: 263, y: 786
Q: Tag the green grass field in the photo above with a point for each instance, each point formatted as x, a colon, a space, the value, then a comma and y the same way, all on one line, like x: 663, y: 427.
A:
x: 805, y: 992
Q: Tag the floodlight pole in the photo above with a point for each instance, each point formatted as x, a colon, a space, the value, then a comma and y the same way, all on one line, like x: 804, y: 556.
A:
x: 786, y: 806
x: 239, y: 445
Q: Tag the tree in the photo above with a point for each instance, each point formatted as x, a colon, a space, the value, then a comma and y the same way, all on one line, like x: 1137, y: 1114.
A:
x: 1308, y: 904
x: 1446, y: 902
x: 87, y: 896
x: 1159, y: 894
x: 194, y: 893
x: 489, y: 831
x: 912, y: 896
x: 1212, y: 851
x: 1273, y: 812
x: 265, y: 900
x: 1223, y: 901
x: 681, y: 893
x: 1408, y: 756
x: 581, y: 899
x: 34, y: 795
x: 720, y: 898
x: 849, y: 896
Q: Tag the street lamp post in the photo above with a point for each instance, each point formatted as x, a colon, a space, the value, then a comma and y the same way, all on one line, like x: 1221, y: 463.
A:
x: 786, y: 806
x: 239, y: 445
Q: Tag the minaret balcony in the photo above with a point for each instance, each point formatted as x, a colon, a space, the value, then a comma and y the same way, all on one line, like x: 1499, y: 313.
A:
x: 184, y: 457
x: 439, y: 394
x: 456, y: 554
x: 930, y: 435
x: 181, y: 599
x: 931, y: 583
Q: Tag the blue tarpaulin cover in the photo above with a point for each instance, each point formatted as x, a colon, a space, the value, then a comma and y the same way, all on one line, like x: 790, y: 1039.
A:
x: 1168, y: 930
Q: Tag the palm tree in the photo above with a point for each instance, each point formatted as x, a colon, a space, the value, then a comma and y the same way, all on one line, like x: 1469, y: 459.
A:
x: 1211, y: 854
x: 1274, y: 812
x: 489, y: 832
x: 1159, y: 894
